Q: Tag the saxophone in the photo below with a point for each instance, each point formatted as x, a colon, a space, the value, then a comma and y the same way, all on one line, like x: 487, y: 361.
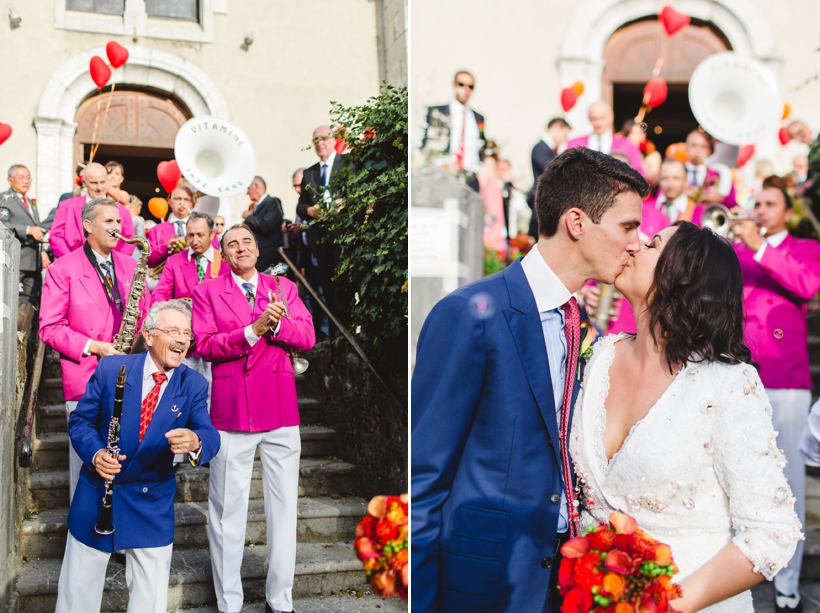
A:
x: 124, y: 340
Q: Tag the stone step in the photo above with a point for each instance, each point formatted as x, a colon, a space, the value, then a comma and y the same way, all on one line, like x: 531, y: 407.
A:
x: 51, y: 390
x: 48, y: 489
x: 51, y: 449
x: 321, y: 569
x: 763, y: 597
x: 348, y: 603
x: 51, y: 417
x: 319, y: 520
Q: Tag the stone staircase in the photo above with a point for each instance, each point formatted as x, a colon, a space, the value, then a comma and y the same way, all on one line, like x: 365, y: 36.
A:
x: 328, y: 576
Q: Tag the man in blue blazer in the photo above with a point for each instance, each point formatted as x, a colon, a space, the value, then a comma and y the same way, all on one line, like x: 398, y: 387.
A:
x: 164, y: 412
x: 488, y: 502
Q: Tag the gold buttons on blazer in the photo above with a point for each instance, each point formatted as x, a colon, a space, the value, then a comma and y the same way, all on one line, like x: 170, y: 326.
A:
x: 778, y: 333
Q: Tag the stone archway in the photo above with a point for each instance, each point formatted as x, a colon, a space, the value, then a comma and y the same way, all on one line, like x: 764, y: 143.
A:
x: 71, y: 84
x: 596, y: 21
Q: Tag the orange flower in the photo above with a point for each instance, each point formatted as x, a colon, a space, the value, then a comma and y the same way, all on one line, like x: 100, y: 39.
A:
x: 384, y: 583
x: 377, y: 506
x: 575, y: 547
x: 623, y: 523
x: 619, y: 562
x: 396, y: 515
x: 614, y: 584
x: 624, y: 607
x: 663, y: 554
x: 399, y: 561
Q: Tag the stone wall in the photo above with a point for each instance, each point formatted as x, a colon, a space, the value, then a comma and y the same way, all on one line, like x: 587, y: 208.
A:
x: 391, y: 17
x: 12, y: 483
x: 371, y: 428
x: 447, y: 250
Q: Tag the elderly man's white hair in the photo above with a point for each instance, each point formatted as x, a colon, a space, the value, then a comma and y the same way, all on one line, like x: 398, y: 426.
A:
x: 152, y: 319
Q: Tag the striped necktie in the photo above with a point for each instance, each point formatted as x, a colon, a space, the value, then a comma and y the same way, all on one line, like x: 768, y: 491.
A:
x: 572, y: 329
x: 105, y: 266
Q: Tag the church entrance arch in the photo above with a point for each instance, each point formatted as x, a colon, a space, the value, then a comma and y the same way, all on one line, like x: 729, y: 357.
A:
x: 631, y: 55
x: 138, y: 131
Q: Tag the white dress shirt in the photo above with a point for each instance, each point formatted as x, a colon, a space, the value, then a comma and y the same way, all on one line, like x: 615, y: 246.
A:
x: 550, y: 296
x: 601, y: 142
x: 209, y: 255
x: 472, y: 138
x: 774, y: 240
x: 676, y: 208
x: 174, y: 219
x: 329, y: 163
x: 548, y: 141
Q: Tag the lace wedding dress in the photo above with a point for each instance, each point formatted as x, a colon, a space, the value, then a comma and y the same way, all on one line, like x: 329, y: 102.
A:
x: 700, y: 471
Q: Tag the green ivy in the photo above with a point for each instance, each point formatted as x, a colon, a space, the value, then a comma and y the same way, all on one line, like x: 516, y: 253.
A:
x: 369, y: 217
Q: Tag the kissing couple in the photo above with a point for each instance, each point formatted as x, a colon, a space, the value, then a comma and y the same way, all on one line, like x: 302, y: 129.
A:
x: 520, y: 440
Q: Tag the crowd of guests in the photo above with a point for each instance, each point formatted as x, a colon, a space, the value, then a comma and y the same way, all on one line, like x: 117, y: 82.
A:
x: 219, y: 322
x: 780, y: 269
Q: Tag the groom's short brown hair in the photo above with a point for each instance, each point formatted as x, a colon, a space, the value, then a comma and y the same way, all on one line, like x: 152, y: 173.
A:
x: 584, y: 179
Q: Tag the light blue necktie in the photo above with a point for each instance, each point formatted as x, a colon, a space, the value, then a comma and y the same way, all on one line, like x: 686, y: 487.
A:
x: 249, y: 294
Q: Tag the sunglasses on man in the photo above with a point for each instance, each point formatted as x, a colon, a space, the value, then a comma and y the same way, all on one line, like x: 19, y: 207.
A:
x: 470, y: 85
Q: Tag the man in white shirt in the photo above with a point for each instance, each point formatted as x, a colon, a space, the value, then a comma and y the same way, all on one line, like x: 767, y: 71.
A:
x: 602, y: 139
x: 454, y: 132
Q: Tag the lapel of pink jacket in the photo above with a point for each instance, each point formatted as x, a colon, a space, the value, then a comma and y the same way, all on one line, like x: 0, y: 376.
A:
x: 92, y: 284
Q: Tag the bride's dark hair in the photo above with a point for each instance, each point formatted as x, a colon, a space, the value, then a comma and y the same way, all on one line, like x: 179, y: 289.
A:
x: 696, y: 299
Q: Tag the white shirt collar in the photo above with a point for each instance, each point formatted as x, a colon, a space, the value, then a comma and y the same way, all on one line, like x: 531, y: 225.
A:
x: 254, y: 280
x: 550, y: 293
x: 776, y: 239
x: 679, y: 204
x: 101, y: 259
x: 329, y: 161
x: 173, y: 219
x: 550, y: 143
x: 209, y: 254
x: 455, y: 105
x: 150, y: 368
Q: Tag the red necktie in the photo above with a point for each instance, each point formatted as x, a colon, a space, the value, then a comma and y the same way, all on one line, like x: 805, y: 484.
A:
x: 460, y: 152
x: 25, y: 201
x: 149, y: 405
x: 572, y: 329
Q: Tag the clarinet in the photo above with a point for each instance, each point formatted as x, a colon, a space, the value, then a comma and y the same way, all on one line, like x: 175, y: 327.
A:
x: 106, y: 523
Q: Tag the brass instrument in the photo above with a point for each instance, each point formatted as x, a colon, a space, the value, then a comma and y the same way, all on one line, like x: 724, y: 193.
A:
x: 106, y: 523
x: 179, y: 244
x: 719, y: 220
x: 604, y: 309
x: 124, y: 340
x: 300, y: 365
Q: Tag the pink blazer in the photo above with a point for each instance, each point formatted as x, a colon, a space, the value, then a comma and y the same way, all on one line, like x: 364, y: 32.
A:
x: 776, y: 292
x: 619, y: 143
x: 75, y: 308
x: 179, y: 277
x: 730, y: 200
x: 158, y: 238
x: 254, y: 389
x: 66, y: 233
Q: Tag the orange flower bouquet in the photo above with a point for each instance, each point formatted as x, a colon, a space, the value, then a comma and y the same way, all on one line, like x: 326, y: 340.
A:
x: 617, y: 568
x: 381, y: 545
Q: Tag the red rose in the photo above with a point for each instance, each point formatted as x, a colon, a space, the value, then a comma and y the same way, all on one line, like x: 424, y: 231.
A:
x: 587, y: 574
x: 602, y: 539
x: 386, y: 531
x: 578, y: 600
x: 623, y: 542
x: 566, y: 575
x: 644, y: 546
x: 366, y: 526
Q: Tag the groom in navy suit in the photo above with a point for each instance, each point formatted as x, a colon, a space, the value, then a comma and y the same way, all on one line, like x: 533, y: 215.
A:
x: 489, y: 502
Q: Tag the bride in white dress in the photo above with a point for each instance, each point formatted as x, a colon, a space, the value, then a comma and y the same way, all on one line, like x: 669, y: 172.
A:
x: 674, y: 428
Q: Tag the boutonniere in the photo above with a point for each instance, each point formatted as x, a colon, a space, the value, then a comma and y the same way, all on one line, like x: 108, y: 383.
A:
x: 480, y: 126
x: 589, y: 334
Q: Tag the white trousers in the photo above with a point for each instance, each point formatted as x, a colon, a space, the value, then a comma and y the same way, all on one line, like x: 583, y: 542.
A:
x: 75, y: 464
x: 230, y: 484
x: 790, y: 410
x: 82, y: 578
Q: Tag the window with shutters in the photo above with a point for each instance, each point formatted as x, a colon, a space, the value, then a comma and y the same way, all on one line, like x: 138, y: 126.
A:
x: 104, y: 7
x: 186, y: 10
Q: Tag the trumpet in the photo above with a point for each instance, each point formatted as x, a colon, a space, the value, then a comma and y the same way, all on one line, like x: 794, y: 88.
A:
x: 719, y: 220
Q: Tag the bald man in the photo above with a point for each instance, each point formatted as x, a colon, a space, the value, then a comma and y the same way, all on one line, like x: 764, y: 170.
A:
x: 67, y: 232
x: 602, y: 139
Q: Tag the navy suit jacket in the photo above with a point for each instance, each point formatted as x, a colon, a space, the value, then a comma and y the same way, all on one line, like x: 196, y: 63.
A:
x: 144, y: 489
x: 542, y: 155
x: 485, y: 454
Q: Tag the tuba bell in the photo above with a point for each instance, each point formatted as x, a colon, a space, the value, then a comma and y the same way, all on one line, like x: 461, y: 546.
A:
x: 735, y: 98
x: 215, y: 156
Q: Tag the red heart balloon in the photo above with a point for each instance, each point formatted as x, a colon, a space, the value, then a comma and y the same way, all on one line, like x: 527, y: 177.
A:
x: 568, y: 98
x: 100, y: 72
x: 673, y: 22
x: 655, y: 92
x: 5, y: 132
x: 744, y: 154
x: 117, y: 54
x: 783, y: 135
x: 169, y: 175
